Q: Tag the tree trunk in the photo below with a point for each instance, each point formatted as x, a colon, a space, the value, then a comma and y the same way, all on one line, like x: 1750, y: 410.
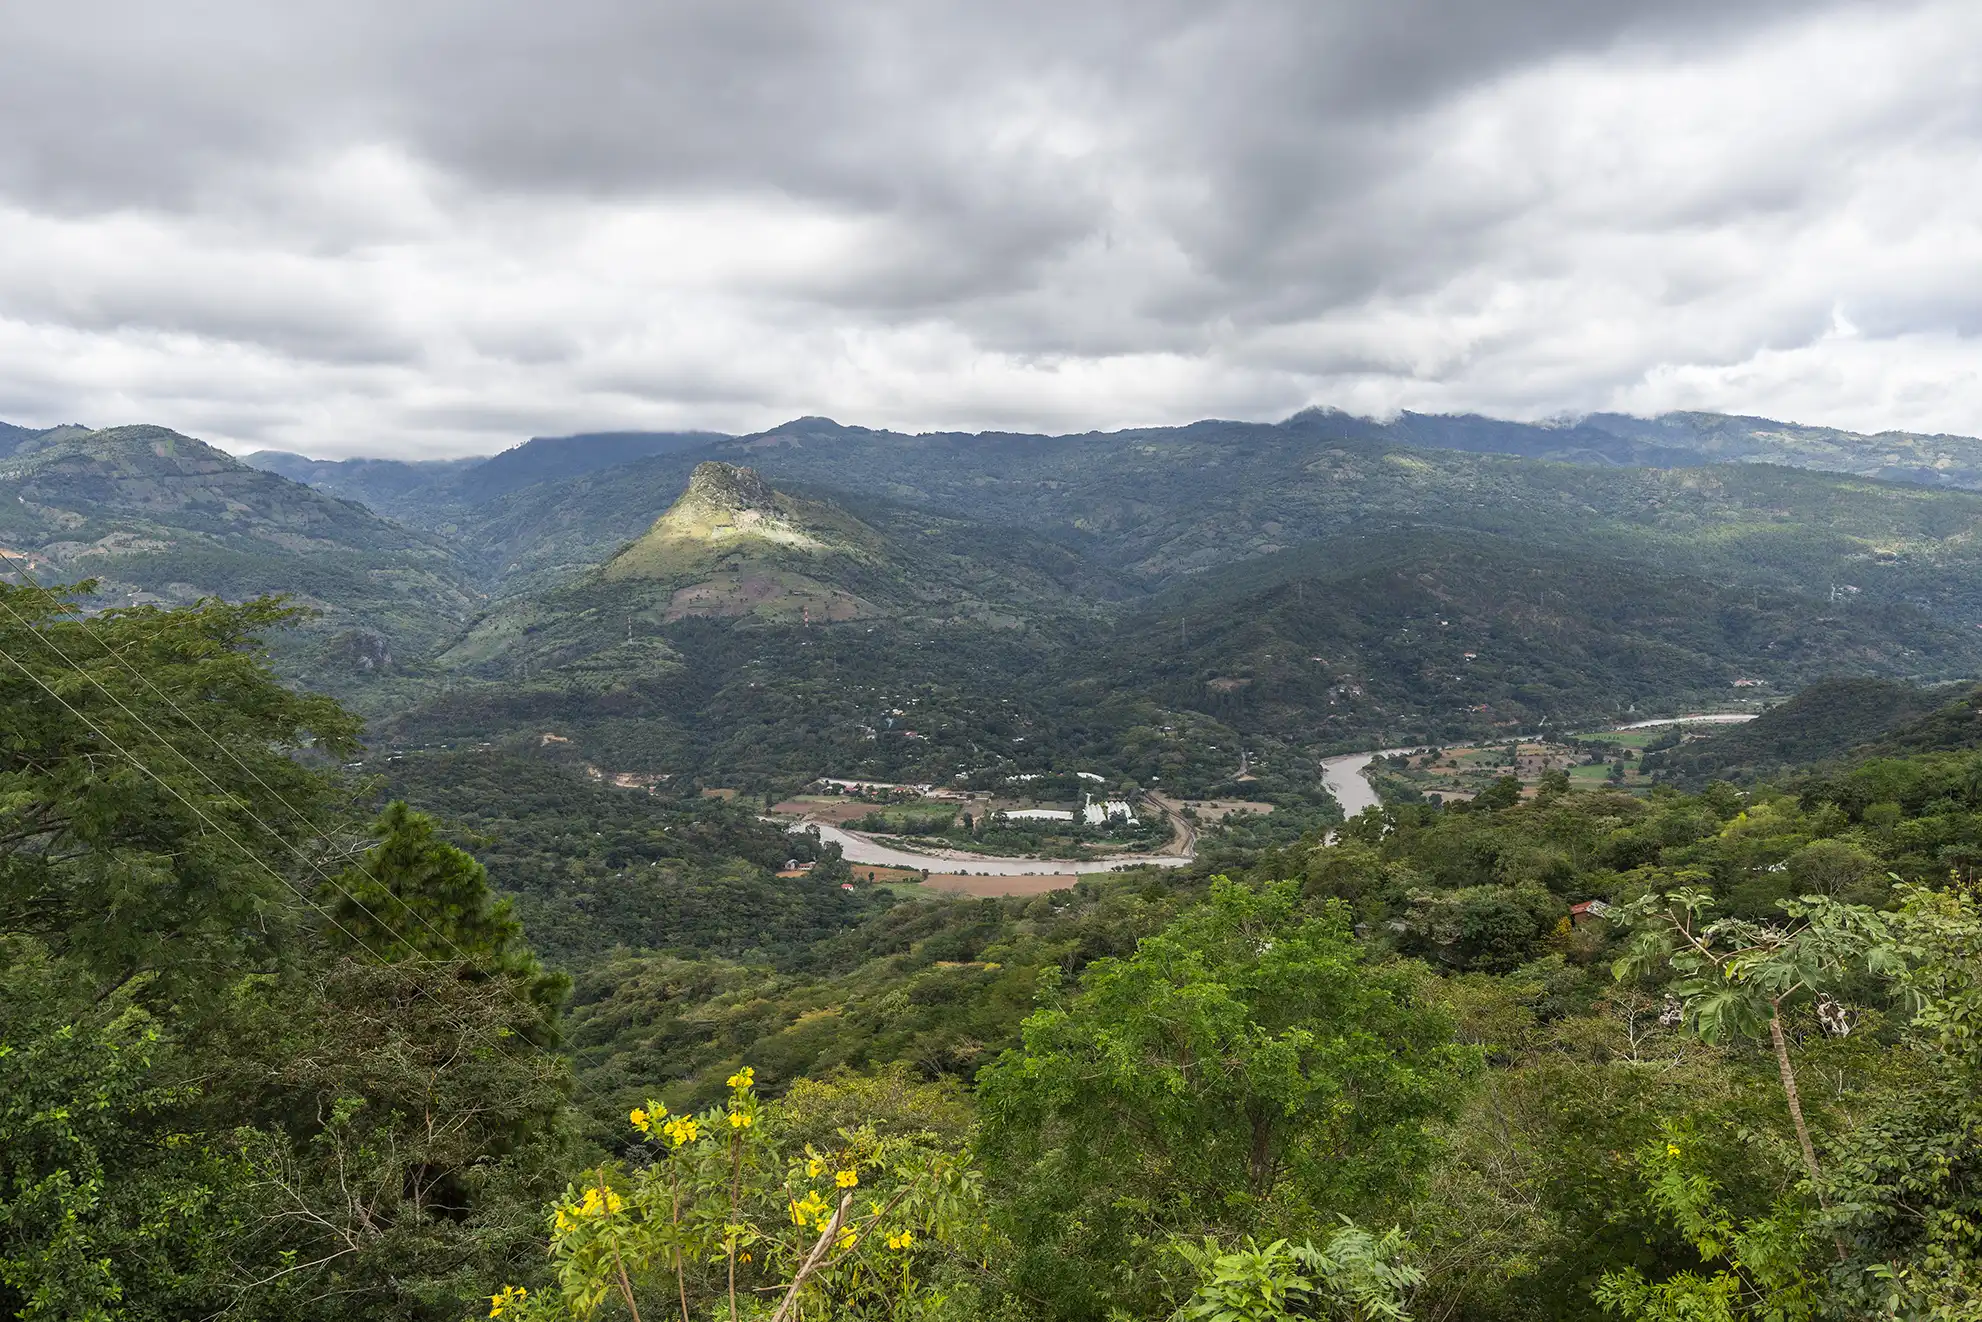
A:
x: 1796, y: 1107
x: 1796, y: 1115
x: 813, y: 1259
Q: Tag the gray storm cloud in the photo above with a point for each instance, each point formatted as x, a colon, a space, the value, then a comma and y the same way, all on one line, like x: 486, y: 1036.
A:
x: 361, y: 228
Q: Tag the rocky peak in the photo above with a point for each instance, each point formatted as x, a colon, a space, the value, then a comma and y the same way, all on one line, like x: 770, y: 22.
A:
x: 716, y: 485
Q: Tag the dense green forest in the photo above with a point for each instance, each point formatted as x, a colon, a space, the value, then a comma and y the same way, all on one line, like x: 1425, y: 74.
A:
x: 274, y: 1044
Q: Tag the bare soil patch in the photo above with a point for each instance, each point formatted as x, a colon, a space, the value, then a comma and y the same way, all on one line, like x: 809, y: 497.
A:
x: 1217, y: 810
x: 879, y: 873
x: 823, y: 809
x: 959, y: 883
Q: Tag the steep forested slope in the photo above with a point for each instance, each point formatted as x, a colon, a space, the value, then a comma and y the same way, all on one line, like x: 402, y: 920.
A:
x: 1822, y: 721
x: 159, y: 517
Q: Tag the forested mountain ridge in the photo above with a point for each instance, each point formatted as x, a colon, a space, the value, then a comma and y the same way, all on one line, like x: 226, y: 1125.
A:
x: 1154, y: 505
x: 1930, y: 459
x: 546, y: 509
x: 425, y: 492
x: 1685, y: 439
x: 1419, y: 633
x: 14, y: 438
x: 160, y: 517
x: 1286, y: 585
x: 1164, y: 502
x: 407, y: 490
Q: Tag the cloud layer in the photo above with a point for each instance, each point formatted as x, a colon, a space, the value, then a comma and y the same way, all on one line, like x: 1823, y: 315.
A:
x: 435, y: 229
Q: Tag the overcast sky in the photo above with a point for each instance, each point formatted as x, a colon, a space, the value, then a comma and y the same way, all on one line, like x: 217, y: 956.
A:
x: 438, y: 228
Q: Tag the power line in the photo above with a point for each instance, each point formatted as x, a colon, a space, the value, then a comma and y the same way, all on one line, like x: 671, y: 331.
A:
x: 197, y: 811
x: 396, y: 935
x: 231, y: 839
x: 83, y: 623
x: 147, y: 727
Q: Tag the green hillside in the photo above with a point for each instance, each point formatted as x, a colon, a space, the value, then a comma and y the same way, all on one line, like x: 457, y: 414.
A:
x: 732, y: 546
x: 1150, y: 598
x: 438, y: 494
x: 1157, y: 599
x: 1426, y: 634
x: 411, y: 491
x: 1931, y: 460
x: 158, y: 517
x: 1406, y: 637
x: 1822, y: 721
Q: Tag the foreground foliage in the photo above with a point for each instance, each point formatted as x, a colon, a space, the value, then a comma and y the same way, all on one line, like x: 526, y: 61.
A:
x: 1247, y: 1072
x: 218, y: 1096
x: 737, y: 1212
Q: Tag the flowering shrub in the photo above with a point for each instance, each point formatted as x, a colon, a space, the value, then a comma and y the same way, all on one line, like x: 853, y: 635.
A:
x: 732, y: 1216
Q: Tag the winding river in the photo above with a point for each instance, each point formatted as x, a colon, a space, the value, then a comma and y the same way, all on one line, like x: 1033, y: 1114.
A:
x: 860, y: 849
x: 1345, y: 776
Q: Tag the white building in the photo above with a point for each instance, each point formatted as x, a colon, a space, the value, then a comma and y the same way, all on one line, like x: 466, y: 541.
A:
x: 870, y: 786
x: 1039, y: 815
x: 1097, y: 814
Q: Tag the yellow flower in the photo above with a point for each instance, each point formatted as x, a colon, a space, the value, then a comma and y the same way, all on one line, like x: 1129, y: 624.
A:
x: 846, y: 1179
x: 596, y: 1204
x: 813, y: 1167
x: 511, y: 1294
x: 848, y: 1238
x: 810, y: 1210
x: 743, y: 1078
x: 738, y: 1120
x: 639, y: 1119
x: 683, y: 1130
x: 902, y: 1241
x: 1672, y: 1149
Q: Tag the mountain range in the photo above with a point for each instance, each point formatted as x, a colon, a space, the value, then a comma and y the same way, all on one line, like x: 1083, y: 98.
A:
x: 423, y: 490
x: 758, y: 609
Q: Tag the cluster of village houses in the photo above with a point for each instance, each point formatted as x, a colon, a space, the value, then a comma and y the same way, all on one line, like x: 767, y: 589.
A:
x: 1092, y: 812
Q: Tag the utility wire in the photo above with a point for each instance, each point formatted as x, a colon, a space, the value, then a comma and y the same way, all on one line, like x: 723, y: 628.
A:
x: 231, y: 839
x: 197, y: 811
x: 83, y: 623
x: 534, y: 1011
